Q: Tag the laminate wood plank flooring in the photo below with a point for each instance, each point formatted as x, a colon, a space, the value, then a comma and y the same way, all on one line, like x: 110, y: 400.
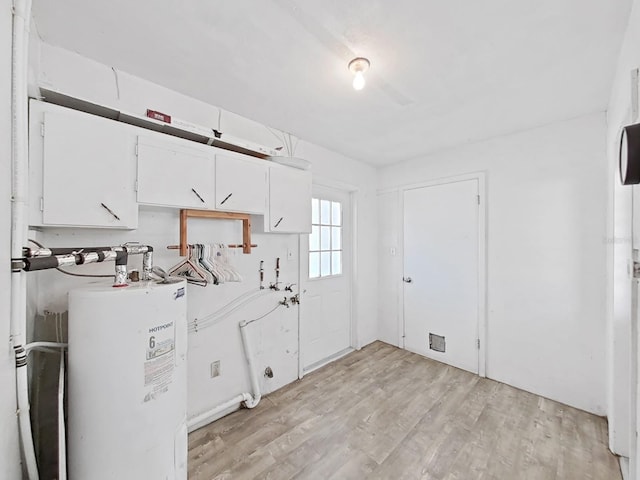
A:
x: 388, y: 414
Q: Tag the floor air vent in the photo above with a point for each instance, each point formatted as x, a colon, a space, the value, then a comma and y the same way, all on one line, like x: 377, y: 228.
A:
x: 436, y: 343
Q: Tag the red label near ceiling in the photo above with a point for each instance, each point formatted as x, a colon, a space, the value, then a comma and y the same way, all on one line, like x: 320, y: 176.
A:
x: 163, y: 117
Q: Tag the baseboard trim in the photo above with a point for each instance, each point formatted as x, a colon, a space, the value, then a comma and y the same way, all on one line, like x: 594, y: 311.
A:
x: 327, y: 361
x: 624, y: 467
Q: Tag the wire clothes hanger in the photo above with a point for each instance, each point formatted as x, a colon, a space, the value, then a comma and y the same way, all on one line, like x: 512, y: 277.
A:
x: 222, y: 257
x: 189, y: 270
x: 209, y: 263
x: 206, y: 264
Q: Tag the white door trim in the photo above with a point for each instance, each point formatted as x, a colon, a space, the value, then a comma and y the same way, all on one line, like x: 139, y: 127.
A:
x: 353, y: 308
x: 482, y: 257
x: 300, y: 307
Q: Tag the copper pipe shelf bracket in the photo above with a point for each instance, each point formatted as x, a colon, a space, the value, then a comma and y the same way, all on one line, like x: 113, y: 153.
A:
x: 188, y: 213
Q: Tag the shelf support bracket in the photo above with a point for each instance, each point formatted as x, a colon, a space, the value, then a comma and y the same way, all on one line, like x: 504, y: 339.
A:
x: 185, y: 214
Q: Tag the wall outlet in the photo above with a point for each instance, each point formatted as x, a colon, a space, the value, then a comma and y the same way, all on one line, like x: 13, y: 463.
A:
x: 215, y: 369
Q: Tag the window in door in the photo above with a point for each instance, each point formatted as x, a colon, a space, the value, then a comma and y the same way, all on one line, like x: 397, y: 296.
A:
x: 325, y: 239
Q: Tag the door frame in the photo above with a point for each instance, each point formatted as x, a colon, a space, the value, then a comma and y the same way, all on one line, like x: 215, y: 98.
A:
x: 482, y: 258
x: 352, y: 192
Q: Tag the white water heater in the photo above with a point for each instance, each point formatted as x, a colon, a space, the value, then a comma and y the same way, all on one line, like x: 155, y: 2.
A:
x: 127, y: 382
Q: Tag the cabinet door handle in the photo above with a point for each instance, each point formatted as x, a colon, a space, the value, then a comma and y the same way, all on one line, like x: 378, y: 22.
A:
x: 198, y: 195
x: 110, y: 211
x: 278, y: 222
x: 226, y: 198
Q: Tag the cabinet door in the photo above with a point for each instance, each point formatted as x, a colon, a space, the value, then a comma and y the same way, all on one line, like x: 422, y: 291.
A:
x: 173, y: 175
x: 241, y: 185
x: 289, y: 201
x: 88, y: 172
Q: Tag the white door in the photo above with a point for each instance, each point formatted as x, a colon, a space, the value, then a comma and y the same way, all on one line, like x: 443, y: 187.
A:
x: 325, y: 311
x: 441, y: 273
x: 631, y: 410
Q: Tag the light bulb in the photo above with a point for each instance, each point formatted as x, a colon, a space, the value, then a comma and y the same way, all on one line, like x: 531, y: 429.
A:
x: 358, y: 66
x: 358, y: 81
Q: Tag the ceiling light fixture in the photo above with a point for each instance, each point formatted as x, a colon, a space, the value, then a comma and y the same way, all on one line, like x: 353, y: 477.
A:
x: 358, y: 66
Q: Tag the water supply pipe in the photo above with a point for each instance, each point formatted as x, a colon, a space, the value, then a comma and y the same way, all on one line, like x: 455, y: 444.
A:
x: 19, y: 227
x: 216, y: 317
x: 253, y: 401
x: 211, y: 415
x: 45, y: 346
x: 62, y: 444
x: 250, y: 400
x: 46, y: 258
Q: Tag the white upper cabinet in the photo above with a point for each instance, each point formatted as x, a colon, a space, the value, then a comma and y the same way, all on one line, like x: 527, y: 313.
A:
x: 173, y: 174
x: 90, y: 171
x: 241, y: 185
x: 289, y: 201
x: 82, y: 170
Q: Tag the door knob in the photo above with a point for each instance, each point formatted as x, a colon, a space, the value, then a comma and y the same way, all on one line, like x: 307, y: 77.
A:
x: 407, y: 279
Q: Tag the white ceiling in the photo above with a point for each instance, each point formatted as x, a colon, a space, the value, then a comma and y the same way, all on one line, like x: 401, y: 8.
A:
x: 443, y: 72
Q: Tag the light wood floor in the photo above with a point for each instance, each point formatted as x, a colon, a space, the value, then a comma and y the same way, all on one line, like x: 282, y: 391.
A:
x: 385, y: 413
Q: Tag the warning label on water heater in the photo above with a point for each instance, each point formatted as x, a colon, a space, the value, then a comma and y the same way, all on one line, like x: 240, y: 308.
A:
x: 160, y: 362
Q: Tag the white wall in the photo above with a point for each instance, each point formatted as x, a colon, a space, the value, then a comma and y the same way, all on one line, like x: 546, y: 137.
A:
x: 275, y: 339
x: 621, y: 385
x: 546, y: 255
x: 9, y: 453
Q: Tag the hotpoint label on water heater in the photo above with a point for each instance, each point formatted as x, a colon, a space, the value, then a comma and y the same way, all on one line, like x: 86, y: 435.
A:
x: 159, y: 364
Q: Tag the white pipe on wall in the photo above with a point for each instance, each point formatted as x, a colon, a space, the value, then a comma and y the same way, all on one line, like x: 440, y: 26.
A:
x: 62, y: 444
x: 19, y: 202
x: 212, y: 415
x: 250, y: 400
x: 45, y: 346
x: 221, y: 314
x: 22, y: 388
x: 255, y: 385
